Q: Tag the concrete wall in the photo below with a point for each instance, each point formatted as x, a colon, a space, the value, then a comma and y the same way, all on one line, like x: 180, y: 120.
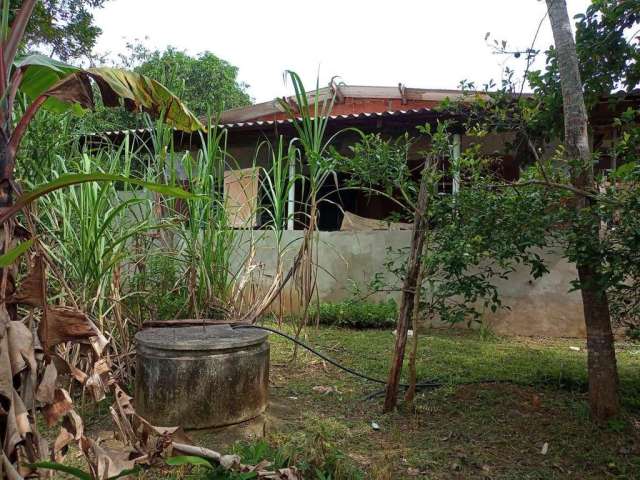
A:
x: 542, y: 307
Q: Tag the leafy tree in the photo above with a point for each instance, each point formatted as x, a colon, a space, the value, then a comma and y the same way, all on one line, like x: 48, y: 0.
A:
x: 606, y: 39
x: 562, y: 201
x: 63, y: 28
x: 205, y: 82
x: 470, y: 239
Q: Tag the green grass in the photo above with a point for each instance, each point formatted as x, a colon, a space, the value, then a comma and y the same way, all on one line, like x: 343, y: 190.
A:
x: 475, y: 430
x: 503, y: 399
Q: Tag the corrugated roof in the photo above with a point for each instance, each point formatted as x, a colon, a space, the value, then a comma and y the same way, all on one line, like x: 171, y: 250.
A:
x: 269, y: 123
x: 350, y: 116
x: 341, y: 92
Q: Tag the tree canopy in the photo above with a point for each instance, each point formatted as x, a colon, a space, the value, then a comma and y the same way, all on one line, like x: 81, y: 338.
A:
x: 205, y: 82
x: 61, y: 28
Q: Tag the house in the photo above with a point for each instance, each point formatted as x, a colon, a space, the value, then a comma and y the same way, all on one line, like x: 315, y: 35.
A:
x: 355, y: 251
x: 390, y: 111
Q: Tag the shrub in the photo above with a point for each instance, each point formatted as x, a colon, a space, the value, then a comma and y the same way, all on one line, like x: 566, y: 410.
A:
x: 358, y: 314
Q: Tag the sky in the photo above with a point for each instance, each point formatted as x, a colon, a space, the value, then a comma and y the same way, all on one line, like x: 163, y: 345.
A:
x: 421, y: 43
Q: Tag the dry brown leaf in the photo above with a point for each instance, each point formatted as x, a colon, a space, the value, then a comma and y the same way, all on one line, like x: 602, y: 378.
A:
x: 47, y: 388
x: 9, y: 470
x: 61, y: 444
x: 230, y: 462
x: 65, y: 367
x: 105, y: 462
x: 32, y: 288
x: 64, y: 324
x: 185, y: 448
x: 21, y: 352
x: 290, y: 473
x: 61, y: 405
x: 136, y: 431
x: 73, y: 423
x: 98, y: 341
x: 23, y: 360
x: 96, y: 387
x: 16, y: 419
x: 98, y: 382
x: 17, y: 425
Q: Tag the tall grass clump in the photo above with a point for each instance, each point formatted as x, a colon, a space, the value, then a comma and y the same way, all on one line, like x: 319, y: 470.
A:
x: 87, y: 232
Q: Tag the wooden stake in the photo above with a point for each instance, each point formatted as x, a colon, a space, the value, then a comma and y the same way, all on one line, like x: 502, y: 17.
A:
x: 409, y: 290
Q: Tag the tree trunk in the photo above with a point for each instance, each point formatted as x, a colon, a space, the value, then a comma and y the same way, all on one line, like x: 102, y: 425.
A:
x: 603, y: 373
x: 413, y: 354
x: 409, y: 291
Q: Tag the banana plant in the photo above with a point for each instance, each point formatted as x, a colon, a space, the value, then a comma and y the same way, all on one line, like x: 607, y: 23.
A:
x: 59, y: 87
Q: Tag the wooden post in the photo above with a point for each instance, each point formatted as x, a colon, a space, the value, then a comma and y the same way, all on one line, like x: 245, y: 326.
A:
x: 409, y: 289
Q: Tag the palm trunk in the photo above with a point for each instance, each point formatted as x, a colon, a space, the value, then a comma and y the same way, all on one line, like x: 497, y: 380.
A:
x: 603, y: 373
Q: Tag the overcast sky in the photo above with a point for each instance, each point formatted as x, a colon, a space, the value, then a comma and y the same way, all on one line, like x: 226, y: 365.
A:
x: 421, y: 43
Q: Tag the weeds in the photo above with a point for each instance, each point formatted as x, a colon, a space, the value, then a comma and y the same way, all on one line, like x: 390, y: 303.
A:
x: 358, y: 314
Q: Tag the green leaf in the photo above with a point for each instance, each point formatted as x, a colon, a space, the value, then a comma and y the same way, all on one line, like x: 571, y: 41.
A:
x: 11, y: 256
x: 59, y: 467
x: 68, y: 88
x: 40, y: 73
x: 625, y: 171
x: 126, y: 472
x: 71, y: 179
x: 189, y: 460
x: 144, y: 93
x: 76, y: 472
x: 246, y: 475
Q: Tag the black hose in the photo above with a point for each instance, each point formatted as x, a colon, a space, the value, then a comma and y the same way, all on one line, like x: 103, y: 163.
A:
x: 424, y: 384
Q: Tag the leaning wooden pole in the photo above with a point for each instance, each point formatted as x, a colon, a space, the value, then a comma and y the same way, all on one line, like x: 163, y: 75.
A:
x: 409, y: 290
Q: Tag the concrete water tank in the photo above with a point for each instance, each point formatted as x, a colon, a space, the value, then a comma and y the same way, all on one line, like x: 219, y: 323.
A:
x: 201, y: 376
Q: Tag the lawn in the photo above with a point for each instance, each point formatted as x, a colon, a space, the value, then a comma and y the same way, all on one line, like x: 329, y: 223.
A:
x: 504, y: 402
x: 508, y: 408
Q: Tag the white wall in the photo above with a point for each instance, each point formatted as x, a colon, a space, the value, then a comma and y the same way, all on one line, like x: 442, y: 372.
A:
x: 542, y: 307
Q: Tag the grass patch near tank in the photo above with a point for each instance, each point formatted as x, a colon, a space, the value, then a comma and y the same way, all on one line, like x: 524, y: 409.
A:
x: 502, y: 400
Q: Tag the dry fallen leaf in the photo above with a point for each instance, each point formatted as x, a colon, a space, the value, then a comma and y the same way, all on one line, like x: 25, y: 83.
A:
x: 64, y: 324
x: 33, y: 287
x: 47, y: 388
x: 61, y: 405
x: 545, y: 448
x: 324, y: 390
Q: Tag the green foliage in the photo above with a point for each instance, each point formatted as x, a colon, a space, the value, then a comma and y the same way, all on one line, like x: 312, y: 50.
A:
x: 634, y: 334
x: 608, y: 60
x: 14, y: 253
x: 204, y: 82
x: 475, y: 237
x: 314, y: 451
x: 157, y: 290
x: 66, y: 29
x: 212, y: 471
x: 88, y: 228
x: 358, y: 314
x: 377, y: 163
x: 78, y: 473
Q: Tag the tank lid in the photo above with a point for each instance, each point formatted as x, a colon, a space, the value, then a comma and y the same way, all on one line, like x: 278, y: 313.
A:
x: 209, y: 337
